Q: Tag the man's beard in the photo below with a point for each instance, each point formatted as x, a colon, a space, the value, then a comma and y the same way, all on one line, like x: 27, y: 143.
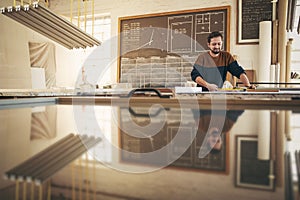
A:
x: 215, y: 51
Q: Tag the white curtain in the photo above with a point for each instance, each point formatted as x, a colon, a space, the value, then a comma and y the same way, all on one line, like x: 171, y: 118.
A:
x: 43, y: 55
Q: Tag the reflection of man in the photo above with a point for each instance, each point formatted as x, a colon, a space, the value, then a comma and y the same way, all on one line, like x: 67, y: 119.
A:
x: 214, y: 140
x: 213, y: 125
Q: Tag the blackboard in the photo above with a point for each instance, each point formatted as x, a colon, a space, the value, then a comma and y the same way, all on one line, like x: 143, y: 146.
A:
x: 179, y: 32
x: 251, y: 12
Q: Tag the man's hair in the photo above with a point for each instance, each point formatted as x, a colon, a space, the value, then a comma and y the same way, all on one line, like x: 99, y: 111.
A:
x: 213, y: 35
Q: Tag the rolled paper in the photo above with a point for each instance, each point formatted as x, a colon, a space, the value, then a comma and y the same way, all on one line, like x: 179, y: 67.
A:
x: 264, y: 50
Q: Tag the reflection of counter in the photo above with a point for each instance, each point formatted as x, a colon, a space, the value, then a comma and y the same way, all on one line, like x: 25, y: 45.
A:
x: 243, y: 100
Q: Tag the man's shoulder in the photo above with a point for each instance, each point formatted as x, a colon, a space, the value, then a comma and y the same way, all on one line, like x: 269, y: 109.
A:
x: 227, y: 56
x: 203, y: 54
x: 225, y: 53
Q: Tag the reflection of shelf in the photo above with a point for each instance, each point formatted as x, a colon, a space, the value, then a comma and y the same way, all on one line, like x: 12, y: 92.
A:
x: 45, y: 22
x: 46, y: 163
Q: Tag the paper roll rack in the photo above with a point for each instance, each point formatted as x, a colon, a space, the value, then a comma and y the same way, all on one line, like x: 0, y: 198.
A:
x: 47, y: 23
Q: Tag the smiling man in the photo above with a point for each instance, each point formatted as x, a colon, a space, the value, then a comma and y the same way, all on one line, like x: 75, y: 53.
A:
x: 210, y: 68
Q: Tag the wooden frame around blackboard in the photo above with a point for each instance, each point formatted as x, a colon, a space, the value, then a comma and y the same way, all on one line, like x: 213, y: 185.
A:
x: 250, y: 13
x: 134, y: 24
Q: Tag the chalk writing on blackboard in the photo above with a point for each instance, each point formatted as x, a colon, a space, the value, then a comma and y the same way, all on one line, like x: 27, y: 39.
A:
x: 176, y: 32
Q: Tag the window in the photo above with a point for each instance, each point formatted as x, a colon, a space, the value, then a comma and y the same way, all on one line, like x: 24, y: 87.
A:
x: 100, y: 28
x: 102, y: 24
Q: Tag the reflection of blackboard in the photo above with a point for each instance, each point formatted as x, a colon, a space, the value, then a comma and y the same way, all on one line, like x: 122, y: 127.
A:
x: 250, y: 171
x: 175, y: 32
x: 146, y: 140
x: 251, y: 12
x: 134, y: 148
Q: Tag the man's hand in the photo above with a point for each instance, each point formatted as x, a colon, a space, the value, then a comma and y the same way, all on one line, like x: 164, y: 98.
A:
x: 212, y: 87
x: 251, y: 87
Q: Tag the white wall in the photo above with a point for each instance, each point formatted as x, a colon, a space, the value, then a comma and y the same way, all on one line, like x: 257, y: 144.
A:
x: 14, y: 53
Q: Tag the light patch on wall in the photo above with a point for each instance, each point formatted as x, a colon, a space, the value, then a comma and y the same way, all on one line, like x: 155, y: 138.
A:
x: 38, y: 79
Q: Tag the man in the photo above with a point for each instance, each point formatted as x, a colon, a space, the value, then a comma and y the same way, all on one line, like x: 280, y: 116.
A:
x: 210, y: 68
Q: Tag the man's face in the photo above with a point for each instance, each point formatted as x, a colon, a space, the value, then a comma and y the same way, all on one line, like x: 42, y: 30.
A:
x: 215, y: 45
x: 214, y: 139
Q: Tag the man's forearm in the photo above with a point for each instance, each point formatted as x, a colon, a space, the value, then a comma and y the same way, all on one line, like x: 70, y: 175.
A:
x: 201, y: 81
x: 245, y: 80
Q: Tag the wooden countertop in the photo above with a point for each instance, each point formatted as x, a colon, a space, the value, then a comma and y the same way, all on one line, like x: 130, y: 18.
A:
x: 251, y: 99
